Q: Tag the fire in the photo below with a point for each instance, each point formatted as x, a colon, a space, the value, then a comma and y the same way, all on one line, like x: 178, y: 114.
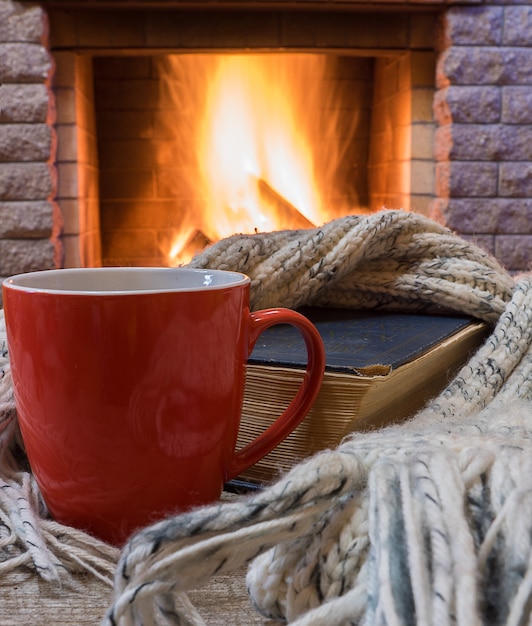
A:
x: 258, y: 166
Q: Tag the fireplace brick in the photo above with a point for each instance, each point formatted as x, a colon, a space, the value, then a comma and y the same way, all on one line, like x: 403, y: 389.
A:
x: 486, y: 142
x: 143, y: 242
x: 517, y: 26
x: 467, y: 104
x: 481, y: 26
x: 24, y: 62
x: 68, y: 180
x: 484, y: 112
x: 489, y: 215
x: 515, y: 179
x: 516, y: 105
x: 24, y: 103
x: 356, y: 30
x: 119, y: 30
x: 422, y: 143
x: 26, y: 181
x: 421, y: 105
x: 25, y: 142
x: 65, y: 103
x: 138, y: 184
x: 469, y: 179
x: 26, y: 219
x: 421, y: 29
x: 25, y: 255
x: 20, y: 23
x: 484, y: 66
x: 514, y: 250
x: 422, y: 177
x: 68, y: 145
x: 486, y: 242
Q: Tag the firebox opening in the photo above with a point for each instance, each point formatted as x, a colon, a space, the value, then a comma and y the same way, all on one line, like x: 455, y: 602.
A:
x: 195, y: 147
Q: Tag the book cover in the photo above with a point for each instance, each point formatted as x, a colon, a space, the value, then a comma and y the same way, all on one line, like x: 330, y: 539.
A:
x: 357, y: 341
x: 380, y: 368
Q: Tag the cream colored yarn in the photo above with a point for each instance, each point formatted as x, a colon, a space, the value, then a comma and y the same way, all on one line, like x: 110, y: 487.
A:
x: 427, y: 522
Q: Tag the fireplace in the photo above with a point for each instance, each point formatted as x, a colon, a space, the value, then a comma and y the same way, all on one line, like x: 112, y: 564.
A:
x: 220, y: 143
x: 363, y: 113
x: 431, y: 113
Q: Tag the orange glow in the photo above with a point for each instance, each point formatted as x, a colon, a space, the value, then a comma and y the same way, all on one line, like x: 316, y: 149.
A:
x: 250, y: 132
x: 254, y: 117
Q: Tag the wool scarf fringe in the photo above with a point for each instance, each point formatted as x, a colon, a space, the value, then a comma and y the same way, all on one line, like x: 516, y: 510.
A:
x: 427, y: 522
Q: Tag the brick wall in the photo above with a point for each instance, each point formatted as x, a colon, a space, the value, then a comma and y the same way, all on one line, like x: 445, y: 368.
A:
x: 483, y: 147
x: 29, y: 218
x: 482, y: 186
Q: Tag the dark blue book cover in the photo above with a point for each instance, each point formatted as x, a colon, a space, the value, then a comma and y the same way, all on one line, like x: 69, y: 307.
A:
x: 355, y: 340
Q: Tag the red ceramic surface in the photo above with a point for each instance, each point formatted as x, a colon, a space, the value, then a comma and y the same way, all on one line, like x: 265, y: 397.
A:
x: 128, y: 384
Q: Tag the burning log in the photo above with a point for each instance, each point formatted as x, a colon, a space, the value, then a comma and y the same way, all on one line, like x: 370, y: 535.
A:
x: 193, y: 244
x: 285, y: 212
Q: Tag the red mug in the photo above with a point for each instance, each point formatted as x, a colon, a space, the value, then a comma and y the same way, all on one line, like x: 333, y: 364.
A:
x: 128, y: 384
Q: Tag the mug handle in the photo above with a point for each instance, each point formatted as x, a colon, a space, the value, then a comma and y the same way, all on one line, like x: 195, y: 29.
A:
x: 303, y: 400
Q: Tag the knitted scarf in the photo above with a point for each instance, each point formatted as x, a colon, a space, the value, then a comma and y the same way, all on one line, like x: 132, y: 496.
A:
x: 426, y: 522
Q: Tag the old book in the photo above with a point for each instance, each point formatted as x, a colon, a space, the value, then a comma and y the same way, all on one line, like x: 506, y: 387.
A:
x: 381, y: 368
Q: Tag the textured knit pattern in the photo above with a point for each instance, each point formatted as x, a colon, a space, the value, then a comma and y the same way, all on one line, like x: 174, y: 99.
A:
x: 427, y: 522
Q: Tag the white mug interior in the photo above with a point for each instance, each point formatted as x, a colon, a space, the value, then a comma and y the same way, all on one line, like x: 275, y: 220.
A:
x: 115, y: 280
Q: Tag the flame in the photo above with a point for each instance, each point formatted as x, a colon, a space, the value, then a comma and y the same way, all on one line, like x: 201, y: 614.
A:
x: 250, y: 132
x: 180, y: 252
x: 253, y: 123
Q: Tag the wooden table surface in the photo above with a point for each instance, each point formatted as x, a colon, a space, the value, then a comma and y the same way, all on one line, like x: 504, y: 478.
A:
x: 26, y: 600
